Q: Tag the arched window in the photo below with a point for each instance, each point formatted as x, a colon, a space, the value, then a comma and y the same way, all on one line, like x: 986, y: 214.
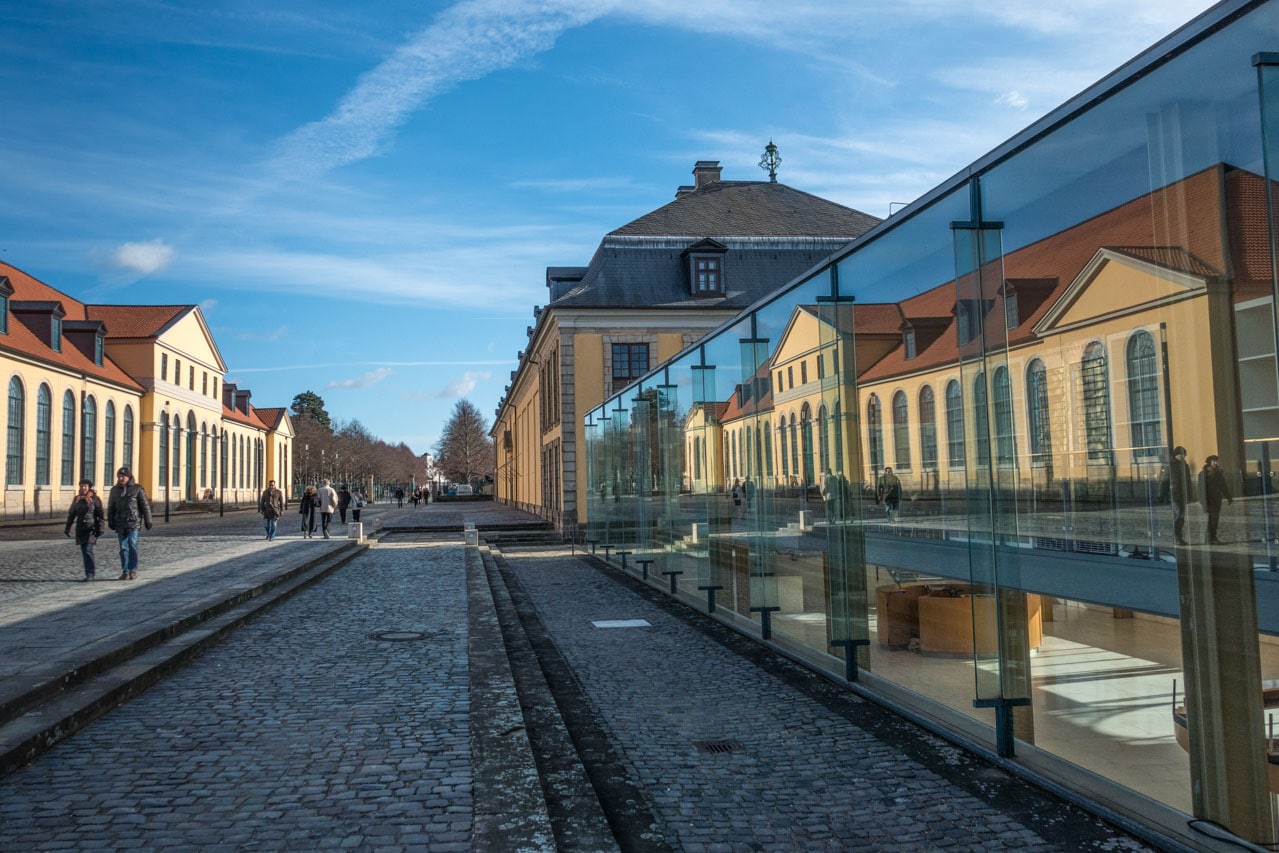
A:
x: 1005, y: 440
x: 823, y: 440
x: 781, y: 446
x: 806, y: 441
x: 189, y: 485
x: 44, y: 434
x: 232, y: 441
x: 768, y: 450
x: 981, y: 419
x: 751, y: 458
x: 108, y: 445
x: 164, y: 453
x: 68, y: 438
x: 736, y: 470
x: 956, y: 448
x: 15, y: 434
x: 204, y: 455
x: 176, y: 455
x: 1041, y: 434
x: 838, y: 421
x: 794, y: 446
x: 1143, y: 395
x: 874, y: 432
x: 89, y: 438
x: 217, y: 451
x: 126, y: 435
x: 927, y: 429
x: 901, y: 432
x: 1095, y: 379
x: 697, y: 457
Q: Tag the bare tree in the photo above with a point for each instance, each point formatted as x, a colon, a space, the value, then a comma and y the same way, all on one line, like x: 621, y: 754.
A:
x: 465, y: 451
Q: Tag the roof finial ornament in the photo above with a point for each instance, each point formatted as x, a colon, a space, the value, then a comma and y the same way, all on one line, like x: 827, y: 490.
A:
x: 770, y: 161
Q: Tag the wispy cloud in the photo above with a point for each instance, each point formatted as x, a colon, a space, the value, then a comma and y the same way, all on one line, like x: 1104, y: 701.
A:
x: 1013, y: 99
x: 362, y: 381
x: 466, y: 42
x: 462, y: 386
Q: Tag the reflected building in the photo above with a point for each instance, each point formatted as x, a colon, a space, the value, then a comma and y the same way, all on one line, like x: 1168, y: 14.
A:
x: 1023, y: 347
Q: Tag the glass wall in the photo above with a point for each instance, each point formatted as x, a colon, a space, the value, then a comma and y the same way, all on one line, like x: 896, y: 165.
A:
x: 1010, y: 458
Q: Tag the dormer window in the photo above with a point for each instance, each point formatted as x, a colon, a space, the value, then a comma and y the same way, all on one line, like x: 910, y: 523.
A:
x: 1010, y: 308
x: 55, y: 334
x: 98, y: 350
x: 909, y: 336
x: 705, y: 260
x: 6, y: 290
x: 968, y: 314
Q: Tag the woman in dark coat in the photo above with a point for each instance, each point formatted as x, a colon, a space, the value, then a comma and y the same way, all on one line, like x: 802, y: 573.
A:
x: 87, y: 517
x: 308, y: 507
x: 1212, y: 490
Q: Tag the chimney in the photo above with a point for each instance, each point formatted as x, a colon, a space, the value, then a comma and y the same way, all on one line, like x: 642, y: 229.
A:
x: 706, y: 172
x: 242, y: 401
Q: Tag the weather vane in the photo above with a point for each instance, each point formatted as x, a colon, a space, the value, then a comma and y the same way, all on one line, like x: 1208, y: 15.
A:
x: 770, y: 161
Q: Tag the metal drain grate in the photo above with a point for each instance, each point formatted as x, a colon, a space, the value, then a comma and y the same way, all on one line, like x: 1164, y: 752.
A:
x: 718, y: 747
x: 398, y: 636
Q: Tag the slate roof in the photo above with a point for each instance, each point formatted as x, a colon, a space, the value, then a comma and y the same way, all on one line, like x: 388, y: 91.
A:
x: 773, y: 233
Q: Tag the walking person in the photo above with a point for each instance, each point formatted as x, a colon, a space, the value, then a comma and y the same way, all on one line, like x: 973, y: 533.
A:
x: 128, y: 510
x: 306, y: 508
x: 1177, y: 489
x: 357, y: 504
x: 890, y: 492
x: 399, y: 498
x: 328, y: 502
x: 271, y: 505
x: 87, y: 517
x: 1212, y: 490
x: 344, y: 502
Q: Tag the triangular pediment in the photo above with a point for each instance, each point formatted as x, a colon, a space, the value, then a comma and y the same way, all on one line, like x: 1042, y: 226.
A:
x: 1120, y: 280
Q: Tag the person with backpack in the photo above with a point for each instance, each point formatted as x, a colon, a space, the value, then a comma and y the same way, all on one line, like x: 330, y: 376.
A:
x: 128, y: 510
x: 86, y: 516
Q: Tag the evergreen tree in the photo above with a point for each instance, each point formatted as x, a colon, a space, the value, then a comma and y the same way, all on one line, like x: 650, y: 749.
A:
x: 311, y: 405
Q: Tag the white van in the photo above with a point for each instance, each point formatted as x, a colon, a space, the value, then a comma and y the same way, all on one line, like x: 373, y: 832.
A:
x: 463, y: 490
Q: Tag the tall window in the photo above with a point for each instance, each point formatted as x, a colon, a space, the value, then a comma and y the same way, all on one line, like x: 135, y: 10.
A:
x: 164, y: 453
x: 89, y: 438
x: 838, y: 421
x: 697, y: 457
x: 768, y: 451
x: 956, y: 453
x: 706, y: 274
x: 1143, y: 395
x: 874, y: 432
x: 14, y: 436
x: 823, y: 440
x: 176, y: 455
x: 126, y: 433
x: 68, y: 439
x: 927, y: 429
x: 794, y: 446
x: 1041, y: 435
x: 44, y: 433
x: 164, y: 366
x: 901, y: 431
x: 1005, y: 440
x: 630, y: 361
x: 981, y: 419
x: 806, y: 437
x: 204, y: 455
x: 108, y: 445
x: 781, y: 446
x: 213, y: 467
x: 1095, y: 379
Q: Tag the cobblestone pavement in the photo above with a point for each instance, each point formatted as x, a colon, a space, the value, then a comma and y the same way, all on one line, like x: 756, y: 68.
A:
x: 301, y: 731
x: 794, y: 773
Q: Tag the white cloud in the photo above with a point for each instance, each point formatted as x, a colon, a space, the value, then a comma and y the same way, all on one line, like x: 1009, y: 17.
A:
x: 135, y: 260
x: 463, y: 386
x: 1013, y: 99
x: 362, y: 381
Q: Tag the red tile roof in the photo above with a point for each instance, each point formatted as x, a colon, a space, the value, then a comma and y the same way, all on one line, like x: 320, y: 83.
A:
x: 21, y: 341
x: 136, y: 321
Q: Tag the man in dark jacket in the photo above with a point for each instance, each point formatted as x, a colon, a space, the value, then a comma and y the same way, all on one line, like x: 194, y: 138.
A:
x: 1177, y: 490
x: 1212, y: 490
x: 85, y: 517
x: 128, y: 510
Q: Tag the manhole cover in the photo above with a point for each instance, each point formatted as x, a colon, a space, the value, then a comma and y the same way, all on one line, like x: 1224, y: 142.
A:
x: 398, y: 636
x: 718, y: 747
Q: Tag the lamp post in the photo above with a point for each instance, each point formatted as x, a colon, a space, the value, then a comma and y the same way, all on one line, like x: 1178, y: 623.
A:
x: 164, y: 464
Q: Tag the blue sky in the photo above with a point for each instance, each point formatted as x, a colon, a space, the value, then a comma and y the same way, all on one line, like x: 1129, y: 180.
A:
x: 363, y: 197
